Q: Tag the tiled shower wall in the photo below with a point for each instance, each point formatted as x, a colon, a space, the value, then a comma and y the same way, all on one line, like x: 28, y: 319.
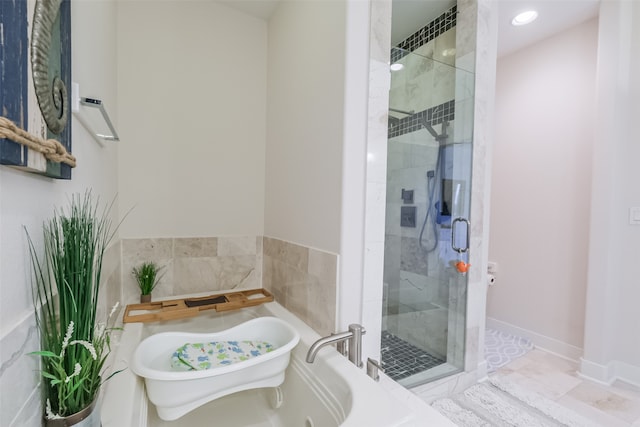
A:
x: 302, y: 279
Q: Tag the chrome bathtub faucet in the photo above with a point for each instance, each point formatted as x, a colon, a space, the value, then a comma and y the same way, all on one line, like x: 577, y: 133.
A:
x: 354, y: 348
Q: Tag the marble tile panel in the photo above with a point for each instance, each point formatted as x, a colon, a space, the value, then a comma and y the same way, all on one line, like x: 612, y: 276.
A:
x: 321, y: 310
x: 379, y: 95
x: 421, y: 63
x: 239, y: 245
x: 374, y: 273
x: 193, y: 247
x: 215, y: 273
x: 297, y: 295
x: 290, y: 253
x: 28, y: 416
x: 471, y: 349
x: 110, y: 282
x: 323, y: 266
x: 147, y: 249
x: 165, y: 287
x: 426, y: 53
x: 445, y: 88
x: 466, y: 27
x: 413, y: 258
x: 603, y: 399
x: 193, y: 275
x: 374, y: 216
x: 19, y: 374
x: 595, y: 415
x: 552, y: 385
x: 270, y: 280
x: 137, y: 251
x: 425, y: 329
x: 445, y: 45
x: 113, y: 289
x: 544, y: 361
x: 322, y: 319
x: 306, y: 288
x: 380, y: 41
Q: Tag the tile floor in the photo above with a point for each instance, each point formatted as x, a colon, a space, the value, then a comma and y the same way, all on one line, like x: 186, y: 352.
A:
x: 401, y: 359
x: 556, y: 378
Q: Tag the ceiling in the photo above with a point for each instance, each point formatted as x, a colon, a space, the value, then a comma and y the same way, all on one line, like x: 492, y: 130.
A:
x: 554, y: 16
x: 410, y: 15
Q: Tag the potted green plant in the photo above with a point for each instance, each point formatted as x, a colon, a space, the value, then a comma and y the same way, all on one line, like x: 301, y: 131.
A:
x: 66, y: 284
x: 147, y: 275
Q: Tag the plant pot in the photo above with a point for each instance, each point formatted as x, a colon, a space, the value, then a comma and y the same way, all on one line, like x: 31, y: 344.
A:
x: 145, y: 298
x: 88, y: 417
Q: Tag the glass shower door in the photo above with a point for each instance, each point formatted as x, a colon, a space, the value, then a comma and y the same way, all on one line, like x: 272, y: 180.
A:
x: 428, y: 201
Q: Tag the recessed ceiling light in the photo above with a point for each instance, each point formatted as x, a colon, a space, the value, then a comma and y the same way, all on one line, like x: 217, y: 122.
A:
x: 524, y: 18
x: 396, y: 66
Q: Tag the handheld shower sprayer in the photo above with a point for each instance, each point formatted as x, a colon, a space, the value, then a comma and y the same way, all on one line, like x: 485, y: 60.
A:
x: 431, y: 186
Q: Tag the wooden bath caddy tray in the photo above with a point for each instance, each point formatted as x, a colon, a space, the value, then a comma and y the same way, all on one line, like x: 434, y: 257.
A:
x: 189, y: 307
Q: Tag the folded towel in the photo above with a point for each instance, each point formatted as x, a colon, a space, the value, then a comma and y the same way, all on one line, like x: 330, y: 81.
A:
x: 200, y: 356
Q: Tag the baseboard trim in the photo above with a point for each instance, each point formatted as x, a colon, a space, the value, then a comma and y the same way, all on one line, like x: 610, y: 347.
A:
x: 542, y: 342
x: 612, y: 371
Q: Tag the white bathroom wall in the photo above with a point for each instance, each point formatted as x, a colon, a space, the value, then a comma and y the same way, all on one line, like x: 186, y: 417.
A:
x: 611, y: 343
x: 192, y: 103
x: 28, y: 200
x: 305, y: 107
x: 541, y: 189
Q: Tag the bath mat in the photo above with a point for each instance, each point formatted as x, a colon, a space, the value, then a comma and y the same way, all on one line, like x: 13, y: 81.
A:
x: 201, y: 356
x: 501, y: 348
x: 500, y: 402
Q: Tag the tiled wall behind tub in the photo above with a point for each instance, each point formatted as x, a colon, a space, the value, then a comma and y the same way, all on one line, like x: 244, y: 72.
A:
x: 303, y: 280
x: 111, y: 281
x: 194, y: 265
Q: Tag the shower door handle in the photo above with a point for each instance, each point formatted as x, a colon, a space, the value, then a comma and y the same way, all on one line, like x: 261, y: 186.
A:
x: 453, y: 235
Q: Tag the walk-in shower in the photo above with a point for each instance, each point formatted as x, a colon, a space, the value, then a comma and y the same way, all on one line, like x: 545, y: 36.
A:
x: 428, y: 193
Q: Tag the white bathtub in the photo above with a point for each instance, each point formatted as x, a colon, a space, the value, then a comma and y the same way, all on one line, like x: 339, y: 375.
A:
x: 329, y: 392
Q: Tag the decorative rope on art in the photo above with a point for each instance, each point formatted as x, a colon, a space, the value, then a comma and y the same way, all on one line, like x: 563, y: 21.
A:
x: 53, y: 150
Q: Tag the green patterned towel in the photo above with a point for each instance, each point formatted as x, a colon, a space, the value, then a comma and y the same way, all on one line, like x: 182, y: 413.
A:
x: 200, y: 356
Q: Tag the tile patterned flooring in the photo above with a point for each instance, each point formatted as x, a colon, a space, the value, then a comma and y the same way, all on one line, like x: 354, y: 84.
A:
x: 401, y: 359
x: 549, y: 375
x: 556, y: 378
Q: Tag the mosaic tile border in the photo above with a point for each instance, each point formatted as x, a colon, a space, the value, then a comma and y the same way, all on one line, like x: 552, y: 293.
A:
x: 433, y: 116
x: 433, y: 29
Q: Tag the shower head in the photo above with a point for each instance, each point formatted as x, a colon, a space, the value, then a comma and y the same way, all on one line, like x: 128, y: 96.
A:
x: 405, y: 112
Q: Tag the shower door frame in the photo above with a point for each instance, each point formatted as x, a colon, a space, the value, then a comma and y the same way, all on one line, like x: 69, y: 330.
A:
x: 359, y: 297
